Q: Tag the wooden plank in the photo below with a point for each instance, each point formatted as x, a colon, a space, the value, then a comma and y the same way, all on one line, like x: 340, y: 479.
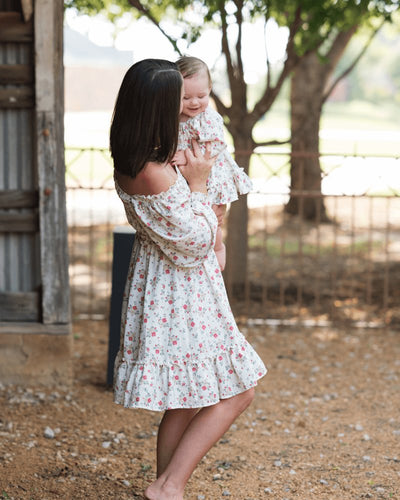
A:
x: 18, y: 222
x: 12, y: 74
x: 14, y: 29
x: 16, y: 198
x: 28, y: 328
x: 49, y: 147
x: 22, y: 306
x: 18, y: 97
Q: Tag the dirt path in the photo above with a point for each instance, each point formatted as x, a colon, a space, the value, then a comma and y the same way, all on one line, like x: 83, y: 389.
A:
x: 325, y: 424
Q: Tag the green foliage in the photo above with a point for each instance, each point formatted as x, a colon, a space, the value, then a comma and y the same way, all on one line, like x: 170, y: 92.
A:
x: 311, y: 22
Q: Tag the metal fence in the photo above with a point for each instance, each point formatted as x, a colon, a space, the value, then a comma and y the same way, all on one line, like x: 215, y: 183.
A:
x: 343, y: 271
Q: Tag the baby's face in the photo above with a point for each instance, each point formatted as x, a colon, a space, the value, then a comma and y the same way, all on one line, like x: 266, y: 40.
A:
x: 196, y: 94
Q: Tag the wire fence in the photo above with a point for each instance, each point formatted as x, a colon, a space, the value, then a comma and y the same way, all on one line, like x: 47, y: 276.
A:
x: 344, y: 269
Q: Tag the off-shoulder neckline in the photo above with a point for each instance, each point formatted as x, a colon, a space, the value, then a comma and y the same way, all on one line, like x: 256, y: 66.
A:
x: 162, y: 194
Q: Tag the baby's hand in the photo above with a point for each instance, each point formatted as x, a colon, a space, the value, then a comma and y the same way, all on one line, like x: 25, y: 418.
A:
x: 179, y: 158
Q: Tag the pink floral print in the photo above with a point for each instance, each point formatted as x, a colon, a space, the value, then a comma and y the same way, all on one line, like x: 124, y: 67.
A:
x: 180, y: 346
x: 227, y: 179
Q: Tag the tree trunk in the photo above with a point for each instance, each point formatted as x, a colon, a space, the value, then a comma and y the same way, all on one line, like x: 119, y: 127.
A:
x: 236, y: 240
x: 307, y: 96
x: 306, y: 99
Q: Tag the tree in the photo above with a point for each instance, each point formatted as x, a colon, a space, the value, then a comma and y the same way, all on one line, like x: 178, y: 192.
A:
x: 311, y: 86
x: 307, y: 22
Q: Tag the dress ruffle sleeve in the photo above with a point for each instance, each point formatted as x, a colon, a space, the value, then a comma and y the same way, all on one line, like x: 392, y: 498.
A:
x: 181, y: 223
x: 227, y: 179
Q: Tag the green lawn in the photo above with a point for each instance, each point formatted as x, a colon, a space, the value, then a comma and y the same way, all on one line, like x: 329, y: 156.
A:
x: 359, y: 128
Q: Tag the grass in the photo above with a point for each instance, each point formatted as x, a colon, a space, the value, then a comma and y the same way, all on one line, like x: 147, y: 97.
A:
x: 275, y: 248
x: 356, y: 127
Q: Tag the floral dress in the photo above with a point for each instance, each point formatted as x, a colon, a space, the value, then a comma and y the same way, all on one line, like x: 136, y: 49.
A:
x: 227, y: 179
x: 180, y: 346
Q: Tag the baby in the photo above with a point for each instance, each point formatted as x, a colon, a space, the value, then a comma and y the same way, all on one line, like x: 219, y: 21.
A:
x: 199, y: 121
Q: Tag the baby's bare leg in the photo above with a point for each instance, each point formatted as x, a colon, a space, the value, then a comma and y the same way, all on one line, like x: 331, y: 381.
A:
x: 219, y: 247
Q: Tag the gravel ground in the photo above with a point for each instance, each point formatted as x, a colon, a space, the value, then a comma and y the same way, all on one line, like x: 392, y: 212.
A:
x: 325, y: 424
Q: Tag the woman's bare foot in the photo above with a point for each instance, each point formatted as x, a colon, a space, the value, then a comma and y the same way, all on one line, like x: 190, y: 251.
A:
x: 162, y: 490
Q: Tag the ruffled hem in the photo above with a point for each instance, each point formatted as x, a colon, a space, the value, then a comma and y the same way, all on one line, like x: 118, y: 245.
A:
x: 186, y: 385
x: 228, y: 181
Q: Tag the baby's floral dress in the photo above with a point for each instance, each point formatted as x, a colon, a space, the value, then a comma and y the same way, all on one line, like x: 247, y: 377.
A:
x: 180, y: 346
x: 227, y: 180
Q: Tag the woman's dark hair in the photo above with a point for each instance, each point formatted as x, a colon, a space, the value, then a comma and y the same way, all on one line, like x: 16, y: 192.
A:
x: 145, y: 121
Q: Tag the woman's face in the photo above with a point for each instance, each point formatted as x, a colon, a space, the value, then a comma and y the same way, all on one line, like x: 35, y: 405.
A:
x: 196, y: 94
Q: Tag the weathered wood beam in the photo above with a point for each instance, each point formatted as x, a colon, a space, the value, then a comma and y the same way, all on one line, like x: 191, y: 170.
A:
x: 18, y: 97
x: 21, y: 306
x: 49, y: 79
x: 33, y: 328
x: 15, y: 198
x: 18, y: 222
x: 12, y: 74
x: 14, y: 29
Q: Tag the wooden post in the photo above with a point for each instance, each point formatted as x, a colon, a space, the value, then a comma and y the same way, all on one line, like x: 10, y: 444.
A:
x: 49, y: 94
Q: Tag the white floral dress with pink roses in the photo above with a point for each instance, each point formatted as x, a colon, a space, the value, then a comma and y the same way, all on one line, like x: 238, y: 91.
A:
x: 227, y: 179
x: 180, y: 346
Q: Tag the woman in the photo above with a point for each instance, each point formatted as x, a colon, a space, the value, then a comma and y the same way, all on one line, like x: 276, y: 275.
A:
x: 181, y: 351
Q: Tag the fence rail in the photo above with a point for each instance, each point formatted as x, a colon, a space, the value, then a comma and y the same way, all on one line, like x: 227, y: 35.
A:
x: 342, y: 270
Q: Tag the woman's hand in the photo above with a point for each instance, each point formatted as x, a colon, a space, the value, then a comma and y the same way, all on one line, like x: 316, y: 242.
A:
x: 198, y: 167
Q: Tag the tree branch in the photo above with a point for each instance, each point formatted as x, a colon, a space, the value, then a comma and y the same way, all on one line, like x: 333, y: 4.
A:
x: 146, y: 12
x: 268, y: 62
x: 239, y: 20
x: 354, y: 63
x: 270, y: 93
x: 222, y: 109
x: 225, y: 44
x: 271, y: 143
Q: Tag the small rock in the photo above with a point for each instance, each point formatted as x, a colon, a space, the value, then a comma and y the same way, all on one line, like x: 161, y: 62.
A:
x: 201, y: 497
x: 366, y: 458
x: 277, y: 463
x: 106, y: 444
x: 359, y: 427
x: 226, y: 493
x: 217, y: 477
x: 292, y: 472
x: 366, y: 437
x: 49, y: 433
x: 126, y: 483
x: 267, y: 491
x: 324, y: 482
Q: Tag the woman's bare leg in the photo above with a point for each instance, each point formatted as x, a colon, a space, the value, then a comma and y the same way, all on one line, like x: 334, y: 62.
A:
x: 172, y: 426
x: 203, y: 431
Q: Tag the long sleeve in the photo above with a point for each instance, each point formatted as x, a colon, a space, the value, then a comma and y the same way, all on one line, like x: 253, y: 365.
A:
x: 182, y: 224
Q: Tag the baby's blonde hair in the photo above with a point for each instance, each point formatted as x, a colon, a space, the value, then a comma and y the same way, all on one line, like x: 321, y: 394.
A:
x: 190, y: 66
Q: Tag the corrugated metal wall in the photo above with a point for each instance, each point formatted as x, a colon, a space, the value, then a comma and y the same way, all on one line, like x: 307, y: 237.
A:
x: 18, y: 250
